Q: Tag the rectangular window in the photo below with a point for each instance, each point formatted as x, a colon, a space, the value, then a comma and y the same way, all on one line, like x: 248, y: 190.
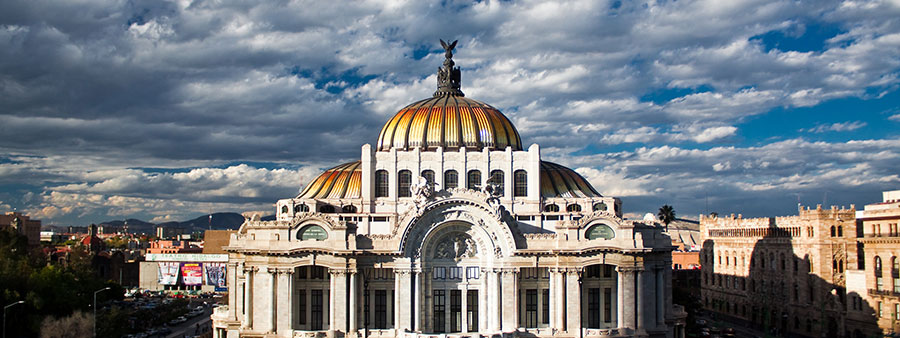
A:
x: 472, y: 310
x: 607, y: 305
x: 897, y: 285
x: 381, y: 309
x: 455, y: 272
x: 455, y: 311
x: 879, y: 309
x: 316, y: 310
x: 531, y: 308
x: 472, y: 272
x: 440, y: 273
x: 897, y: 311
x: 879, y: 283
x: 594, y: 308
x: 439, y: 308
x: 545, y: 306
x: 551, y: 217
x: 301, y: 307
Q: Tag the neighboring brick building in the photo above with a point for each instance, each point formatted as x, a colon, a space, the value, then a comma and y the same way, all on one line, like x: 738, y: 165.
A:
x: 783, y: 274
x: 880, y: 272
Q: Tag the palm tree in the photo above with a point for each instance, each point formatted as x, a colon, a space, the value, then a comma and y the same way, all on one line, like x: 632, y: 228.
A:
x: 666, y: 215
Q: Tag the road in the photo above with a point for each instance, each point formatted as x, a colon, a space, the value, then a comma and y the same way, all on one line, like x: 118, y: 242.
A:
x: 189, y: 328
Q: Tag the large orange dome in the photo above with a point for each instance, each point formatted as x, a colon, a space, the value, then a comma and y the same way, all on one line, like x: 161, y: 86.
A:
x: 449, y: 121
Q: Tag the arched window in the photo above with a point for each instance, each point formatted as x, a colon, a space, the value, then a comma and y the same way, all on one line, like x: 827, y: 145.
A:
x: 284, y: 209
x: 312, y: 232
x: 404, y: 179
x: 520, y: 183
x: 834, y: 265
x: 451, y: 179
x: 349, y: 209
x: 879, y: 280
x: 381, y: 183
x: 573, y: 207
x: 497, y: 180
x: 833, y: 231
x: 840, y: 231
x: 895, y: 265
x: 599, y: 206
x: 326, y: 209
x: 783, y: 263
x: 429, y: 176
x: 301, y: 208
x: 551, y: 208
x: 473, y: 180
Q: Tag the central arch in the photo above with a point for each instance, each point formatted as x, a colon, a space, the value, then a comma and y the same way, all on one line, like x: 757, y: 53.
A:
x: 493, y: 236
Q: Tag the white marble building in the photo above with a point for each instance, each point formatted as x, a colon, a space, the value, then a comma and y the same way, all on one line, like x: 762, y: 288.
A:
x: 448, y: 227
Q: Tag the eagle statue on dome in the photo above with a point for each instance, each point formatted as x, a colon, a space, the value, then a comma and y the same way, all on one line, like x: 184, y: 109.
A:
x: 449, y: 77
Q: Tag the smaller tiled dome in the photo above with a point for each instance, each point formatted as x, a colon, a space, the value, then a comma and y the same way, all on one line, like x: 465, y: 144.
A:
x: 343, y: 181
x: 559, y: 181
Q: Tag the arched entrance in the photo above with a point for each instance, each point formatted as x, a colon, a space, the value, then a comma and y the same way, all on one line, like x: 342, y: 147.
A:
x: 455, y: 284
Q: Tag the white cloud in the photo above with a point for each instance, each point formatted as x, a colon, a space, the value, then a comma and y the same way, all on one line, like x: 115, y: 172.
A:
x: 837, y: 127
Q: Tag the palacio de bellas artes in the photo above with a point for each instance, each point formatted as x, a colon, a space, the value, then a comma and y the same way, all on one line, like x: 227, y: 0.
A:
x: 449, y: 226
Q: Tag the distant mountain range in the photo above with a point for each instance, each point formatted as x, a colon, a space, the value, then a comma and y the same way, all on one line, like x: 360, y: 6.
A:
x: 220, y: 221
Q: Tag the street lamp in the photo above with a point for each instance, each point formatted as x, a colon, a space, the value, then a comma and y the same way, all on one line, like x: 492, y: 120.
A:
x: 4, y: 315
x: 95, y: 308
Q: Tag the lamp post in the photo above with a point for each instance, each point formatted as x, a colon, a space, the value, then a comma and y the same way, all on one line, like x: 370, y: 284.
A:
x: 4, y: 314
x: 95, y: 308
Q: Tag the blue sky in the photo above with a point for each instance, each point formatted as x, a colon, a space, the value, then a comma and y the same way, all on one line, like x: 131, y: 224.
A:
x: 166, y: 110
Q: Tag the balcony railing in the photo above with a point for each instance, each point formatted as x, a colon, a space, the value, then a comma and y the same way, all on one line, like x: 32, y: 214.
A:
x: 889, y: 293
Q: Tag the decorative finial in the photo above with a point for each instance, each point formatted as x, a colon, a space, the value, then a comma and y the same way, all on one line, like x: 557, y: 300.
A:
x: 448, y: 75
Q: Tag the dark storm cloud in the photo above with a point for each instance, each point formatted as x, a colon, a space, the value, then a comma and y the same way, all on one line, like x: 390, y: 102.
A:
x: 93, y: 91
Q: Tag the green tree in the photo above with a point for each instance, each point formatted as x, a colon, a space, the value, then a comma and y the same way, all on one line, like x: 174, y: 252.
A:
x: 666, y: 215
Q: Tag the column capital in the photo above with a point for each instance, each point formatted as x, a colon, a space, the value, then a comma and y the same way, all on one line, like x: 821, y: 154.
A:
x: 402, y: 271
x: 511, y: 271
x: 573, y: 271
x: 629, y: 269
x: 282, y: 271
x: 340, y: 271
x: 248, y: 268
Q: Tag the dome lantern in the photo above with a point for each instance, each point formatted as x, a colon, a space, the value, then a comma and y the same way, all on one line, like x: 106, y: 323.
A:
x: 448, y: 76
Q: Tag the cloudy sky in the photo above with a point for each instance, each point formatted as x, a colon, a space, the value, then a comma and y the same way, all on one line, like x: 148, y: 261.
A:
x: 166, y: 110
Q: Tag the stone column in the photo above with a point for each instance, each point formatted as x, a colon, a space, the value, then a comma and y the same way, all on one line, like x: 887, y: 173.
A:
x: 496, y: 300
x: 628, y: 298
x: 354, y: 296
x: 553, y: 299
x: 338, y: 304
x: 284, y: 301
x: 484, y: 301
x: 231, y: 272
x: 573, y: 302
x: 660, y: 298
x: 645, y: 297
x: 509, y: 295
x: 402, y: 299
x: 249, y: 274
x: 464, y: 303
x: 620, y: 298
x: 262, y: 300
x: 559, y: 302
x: 418, y: 312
